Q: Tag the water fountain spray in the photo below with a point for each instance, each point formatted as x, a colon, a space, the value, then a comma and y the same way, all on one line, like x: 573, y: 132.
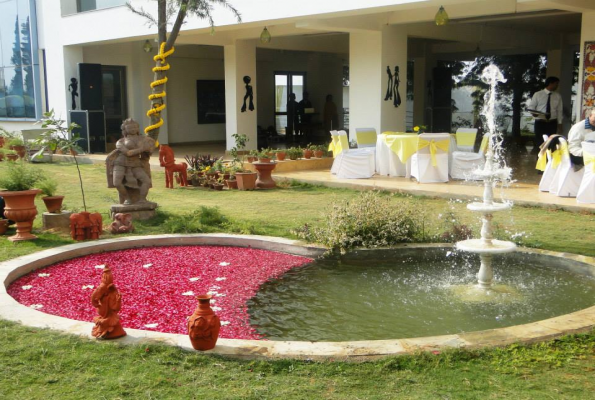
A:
x: 494, y: 171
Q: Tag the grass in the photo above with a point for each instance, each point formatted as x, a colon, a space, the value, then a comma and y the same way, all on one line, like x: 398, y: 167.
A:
x: 37, y: 364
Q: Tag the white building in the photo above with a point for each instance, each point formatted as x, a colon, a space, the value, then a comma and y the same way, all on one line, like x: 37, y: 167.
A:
x: 313, y: 42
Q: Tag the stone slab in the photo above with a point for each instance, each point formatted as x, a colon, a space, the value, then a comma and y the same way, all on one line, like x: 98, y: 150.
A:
x: 140, y: 212
x: 56, y: 220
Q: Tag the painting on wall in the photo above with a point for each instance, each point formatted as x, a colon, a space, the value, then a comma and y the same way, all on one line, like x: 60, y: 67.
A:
x: 210, y: 100
x: 588, y: 101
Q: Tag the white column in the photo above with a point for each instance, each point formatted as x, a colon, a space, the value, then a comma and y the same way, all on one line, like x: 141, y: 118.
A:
x: 587, y: 35
x: 240, y: 61
x: 370, y: 53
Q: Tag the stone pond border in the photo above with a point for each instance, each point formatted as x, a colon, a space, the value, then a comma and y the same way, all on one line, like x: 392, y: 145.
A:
x: 10, y: 309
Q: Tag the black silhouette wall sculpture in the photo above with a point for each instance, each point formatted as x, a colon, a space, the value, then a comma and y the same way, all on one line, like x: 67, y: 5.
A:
x: 249, y: 94
x: 397, y: 96
x: 73, y: 89
x: 389, y: 88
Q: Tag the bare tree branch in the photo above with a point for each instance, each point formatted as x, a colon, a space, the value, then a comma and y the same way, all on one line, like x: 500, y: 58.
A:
x: 151, y: 21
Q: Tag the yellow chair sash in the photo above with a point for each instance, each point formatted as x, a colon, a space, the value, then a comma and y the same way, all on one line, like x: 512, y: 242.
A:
x: 466, y: 138
x: 555, y: 156
x: 589, y: 160
x: 338, y: 144
x: 483, y: 147
x: 434, y: 146
x: 366, y: 137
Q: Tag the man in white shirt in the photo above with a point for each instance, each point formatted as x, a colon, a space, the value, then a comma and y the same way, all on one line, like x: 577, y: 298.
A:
x: 577, y: 135
x: 546, y: 107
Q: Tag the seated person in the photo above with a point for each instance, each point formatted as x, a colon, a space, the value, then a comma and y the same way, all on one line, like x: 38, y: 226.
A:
x: 577, y: 135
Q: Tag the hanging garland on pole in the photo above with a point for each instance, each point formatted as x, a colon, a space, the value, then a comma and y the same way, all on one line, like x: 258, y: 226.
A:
x: 158, y: 107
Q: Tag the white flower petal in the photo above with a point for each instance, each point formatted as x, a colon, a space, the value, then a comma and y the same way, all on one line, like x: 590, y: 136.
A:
x: 211, y: 292
x: 147, y: 265
x: 36, y: 306
x: 151, y: 325
x: 102, y: 266
x: 194, y: 279
x: 43, y: 275
x: 220, y: 279
x: 27, y: 287
x: 214, y: 287
x: 216, y: 308
x: 189, y: 293
x: 224, y: 264
x: 223, y: 323
x: 88, y: 287
x: 219, y: 295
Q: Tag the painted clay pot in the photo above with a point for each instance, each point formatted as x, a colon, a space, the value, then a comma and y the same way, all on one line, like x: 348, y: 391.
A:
x: 231, y: 184
x: 281, y: 156
x: 246, y: 180
x: 204, y: 325
x: 53, y: 203
x: 318, y: 153
x: 3, y: 226
x: 20, y: 207
x: 307, y: 154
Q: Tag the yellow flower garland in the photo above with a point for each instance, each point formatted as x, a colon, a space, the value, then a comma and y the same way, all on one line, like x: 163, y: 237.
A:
x: 157, y: 108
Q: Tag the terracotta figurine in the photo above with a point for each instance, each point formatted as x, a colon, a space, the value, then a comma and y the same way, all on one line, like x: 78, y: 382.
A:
x: 204, y: 325
x: 128, y: 167
x: 168, y: 161
x: 107, y: 301
x: 122, y: 224
x: 85, y: 225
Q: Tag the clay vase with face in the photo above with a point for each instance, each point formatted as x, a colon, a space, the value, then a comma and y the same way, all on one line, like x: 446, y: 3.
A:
x: 204, y: 325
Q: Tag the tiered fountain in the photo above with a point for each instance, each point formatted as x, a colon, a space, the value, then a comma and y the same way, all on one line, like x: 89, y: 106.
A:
x: 493, y: 172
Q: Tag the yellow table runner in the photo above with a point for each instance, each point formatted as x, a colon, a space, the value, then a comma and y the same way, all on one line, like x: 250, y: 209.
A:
x: 404, y: 146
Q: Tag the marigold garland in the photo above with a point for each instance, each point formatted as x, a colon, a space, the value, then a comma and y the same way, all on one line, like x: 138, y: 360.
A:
x: 157, y: 108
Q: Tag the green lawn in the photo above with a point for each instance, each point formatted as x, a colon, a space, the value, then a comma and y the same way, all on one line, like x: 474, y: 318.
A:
x: 41, y: 364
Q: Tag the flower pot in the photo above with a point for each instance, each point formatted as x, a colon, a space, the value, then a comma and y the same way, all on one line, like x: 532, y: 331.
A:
x: 3, y: 226
x: 195, y: 181
x: 21, y: 151
x: 226, y: 176
x: 265, y: 180
x: 53, y: 203
x: 318, y: 153
x: 307, y: 154
x: 20, y: 207
x: 246, y: 180
x: 232, y: 184
x: 281, y: 156
x: 251, y: 159
x: 203, y: 325
x: 264, y: 160
x: 12, y: 157
x: 218, y: 186
x: 2, y: 141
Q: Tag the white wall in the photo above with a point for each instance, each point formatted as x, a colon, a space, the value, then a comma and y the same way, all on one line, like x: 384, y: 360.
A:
x: 324, y: 75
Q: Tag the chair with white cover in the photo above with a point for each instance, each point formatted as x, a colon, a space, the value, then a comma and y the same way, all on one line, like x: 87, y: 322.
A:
x: 566, y: 180
x: 463, y: 163
x: 466, y: 139
x: 365, y: 137
x: 352, y: 163
x: 552, y: 161
x: 586, y: 191
x: 430, y: 163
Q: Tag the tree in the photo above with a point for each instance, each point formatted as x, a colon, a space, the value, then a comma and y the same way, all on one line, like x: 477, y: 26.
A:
x: 166, y: 10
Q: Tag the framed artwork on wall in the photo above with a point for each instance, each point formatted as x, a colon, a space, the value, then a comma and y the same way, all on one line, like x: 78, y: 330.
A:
x: 588, y: 98
x: 210, y: 100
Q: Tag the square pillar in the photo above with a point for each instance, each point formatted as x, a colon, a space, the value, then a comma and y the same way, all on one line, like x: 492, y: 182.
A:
x: 370, y: 53
x: 240, y: 61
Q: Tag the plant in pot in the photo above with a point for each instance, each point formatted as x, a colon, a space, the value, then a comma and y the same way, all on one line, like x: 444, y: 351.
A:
x: 246, y: 180
x: 48, y: 187
x: 264, y: 156
x: 318, y: 150
x: 280, y: 154
x: 18, y: 181
x: 252, y: 156
x: 11, y: 155
x: 231, y: 182
x: 308, y: 151
x: 17, y: 144
x: 294, y: 153
x: 4, y: 136
x: 218, y: 183
x: 2, y: 151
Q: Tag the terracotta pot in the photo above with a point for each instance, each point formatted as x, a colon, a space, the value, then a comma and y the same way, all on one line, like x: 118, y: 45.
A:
x: 246, y: 180
x: 251, y: 159
x: 195, y: 181
x: 21, y: 151
x: 265, y: 180
x: 218, y: 186
x: 12, y: 157
x: 3, y: 226
x: 264, y: 160
x: 318, y: 153
x: 20, y: 207
x: 232, y: 184
x: 281, y: 156
x: 307, y: 154
x: 2, y: 141
x: 226, y: 176
x: 204, y: 325
x: 53, y: 203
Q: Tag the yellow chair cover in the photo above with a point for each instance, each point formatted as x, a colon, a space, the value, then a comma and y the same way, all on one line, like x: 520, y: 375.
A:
x: 365, y: 137
x: 434, y: 146
x: 589, y: 160
x: 466, y: 138
x: 483, y: 147
x: 403, y: 145
x: 338, y: 144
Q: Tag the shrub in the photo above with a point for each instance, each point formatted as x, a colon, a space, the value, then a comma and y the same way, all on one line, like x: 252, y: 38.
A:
x: 20, y: 176
x: 48, y: 186
x: 205, y: 219
x: 370, y: 220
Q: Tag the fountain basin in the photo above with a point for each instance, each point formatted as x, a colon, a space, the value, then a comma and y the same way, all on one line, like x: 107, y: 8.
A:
x: 489, y: 208
x: 480, y: 247
x: 579, y: 321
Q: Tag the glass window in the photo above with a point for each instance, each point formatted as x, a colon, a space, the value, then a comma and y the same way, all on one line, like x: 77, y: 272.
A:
x: 17, y: 62
x: 89, y: 5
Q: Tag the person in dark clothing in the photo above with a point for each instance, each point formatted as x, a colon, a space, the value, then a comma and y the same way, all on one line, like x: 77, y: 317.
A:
x: 305, y: 119
x: 292, y: 116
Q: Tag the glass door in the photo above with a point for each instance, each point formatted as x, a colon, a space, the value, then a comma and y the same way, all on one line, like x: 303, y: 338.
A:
x: 286, y: 84
x: 114, y: 102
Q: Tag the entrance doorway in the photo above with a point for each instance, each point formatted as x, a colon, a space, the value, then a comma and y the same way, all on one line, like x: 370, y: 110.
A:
x: 115, y: 104
x: 285, y: 84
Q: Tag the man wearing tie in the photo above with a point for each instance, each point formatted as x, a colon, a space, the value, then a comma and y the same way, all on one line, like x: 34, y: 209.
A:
x: 546, y: 107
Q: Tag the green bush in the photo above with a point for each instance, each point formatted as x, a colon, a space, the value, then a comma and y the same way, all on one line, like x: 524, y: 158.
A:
x: 48, y: 186
x: 203, y: 220
x: 370, y: 220
x: 20, y: 176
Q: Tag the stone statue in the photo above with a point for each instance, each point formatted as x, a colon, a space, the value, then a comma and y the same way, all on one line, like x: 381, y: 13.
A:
x: 107, y: 301
x: 128, y: 167
x: 122, y: 224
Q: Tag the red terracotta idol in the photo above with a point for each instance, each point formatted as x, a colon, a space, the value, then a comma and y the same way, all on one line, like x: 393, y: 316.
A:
x: 107, y: 301
x: 204, y: 325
